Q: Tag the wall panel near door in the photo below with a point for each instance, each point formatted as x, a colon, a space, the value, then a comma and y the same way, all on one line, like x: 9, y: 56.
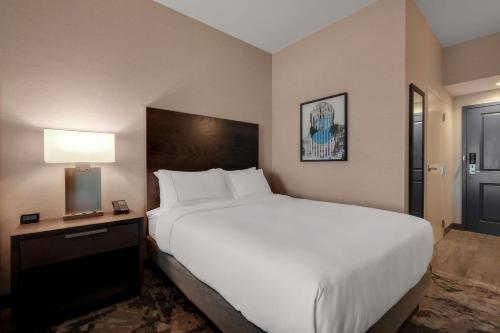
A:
x: 435, y: 166
x: 416, y: 155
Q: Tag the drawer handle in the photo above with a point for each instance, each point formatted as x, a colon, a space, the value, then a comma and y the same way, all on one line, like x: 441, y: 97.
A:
x: 86, y: 233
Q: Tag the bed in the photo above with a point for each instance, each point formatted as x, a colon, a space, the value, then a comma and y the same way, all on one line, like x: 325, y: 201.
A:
x: 259, y: 264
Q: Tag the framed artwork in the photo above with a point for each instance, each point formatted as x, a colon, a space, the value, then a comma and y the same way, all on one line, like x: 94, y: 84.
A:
x: 323, y: 129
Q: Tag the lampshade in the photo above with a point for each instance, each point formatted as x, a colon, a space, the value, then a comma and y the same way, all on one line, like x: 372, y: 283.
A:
x: 62, y: 146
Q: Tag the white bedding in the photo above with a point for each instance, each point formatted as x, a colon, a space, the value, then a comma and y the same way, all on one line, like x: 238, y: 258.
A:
x: 152, y: 221
x: 292, y: 265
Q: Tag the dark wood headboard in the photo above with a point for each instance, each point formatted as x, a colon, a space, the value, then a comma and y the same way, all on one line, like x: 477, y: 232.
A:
x: 187, y: 142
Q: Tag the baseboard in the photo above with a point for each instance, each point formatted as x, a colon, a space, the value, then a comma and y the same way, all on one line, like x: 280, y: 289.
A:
x: 4, y: 301
x: 456, y: 226
x: 447, y: 229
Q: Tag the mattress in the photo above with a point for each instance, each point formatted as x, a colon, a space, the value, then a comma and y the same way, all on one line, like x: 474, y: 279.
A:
x: 293, y: 265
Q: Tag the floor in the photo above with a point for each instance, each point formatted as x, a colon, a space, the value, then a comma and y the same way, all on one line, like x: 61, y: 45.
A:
x: 465, y: 293
x: 472, y: 256
x: 464, y: 297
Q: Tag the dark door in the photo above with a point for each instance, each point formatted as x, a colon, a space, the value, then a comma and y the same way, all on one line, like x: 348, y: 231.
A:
x: 482, y: 168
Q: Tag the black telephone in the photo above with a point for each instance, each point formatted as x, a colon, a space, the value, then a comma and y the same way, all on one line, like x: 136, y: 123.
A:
x: 120, y: 207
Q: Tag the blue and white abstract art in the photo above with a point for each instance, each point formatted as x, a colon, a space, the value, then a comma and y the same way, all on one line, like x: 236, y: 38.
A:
x: 324, y: 129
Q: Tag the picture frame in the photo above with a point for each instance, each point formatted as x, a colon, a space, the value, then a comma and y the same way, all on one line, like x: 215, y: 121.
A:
x: 323, y: 129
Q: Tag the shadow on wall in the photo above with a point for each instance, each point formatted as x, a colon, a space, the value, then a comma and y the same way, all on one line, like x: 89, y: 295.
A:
x: 212, y: 98
x: 24, y: 186
x: 128, y: 171
x: 277, y: 184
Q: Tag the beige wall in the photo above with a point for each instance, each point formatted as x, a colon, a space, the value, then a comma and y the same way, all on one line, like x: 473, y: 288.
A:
x: 424, y: 61
x: 458, y: 103
x: 95, y: 65
x: 472, y: 60
x: 363, y: 55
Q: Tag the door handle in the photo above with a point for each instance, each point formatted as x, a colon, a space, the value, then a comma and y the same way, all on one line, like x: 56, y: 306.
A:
x: 437, y: 168
x: 86, y: 233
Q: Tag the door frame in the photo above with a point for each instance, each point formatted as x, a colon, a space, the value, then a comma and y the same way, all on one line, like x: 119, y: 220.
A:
x: 413, y: 88
x: 464, y: 157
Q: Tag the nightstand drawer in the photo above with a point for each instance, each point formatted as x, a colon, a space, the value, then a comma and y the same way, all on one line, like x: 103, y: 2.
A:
x: 74, y: 244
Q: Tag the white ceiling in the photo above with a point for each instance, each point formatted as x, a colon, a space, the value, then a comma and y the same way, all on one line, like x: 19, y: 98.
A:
x: 270, y: 25
x: 274, y: 24
x: 457, y: 21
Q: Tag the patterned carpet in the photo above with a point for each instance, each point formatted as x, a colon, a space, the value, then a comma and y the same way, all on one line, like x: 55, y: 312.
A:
x: 160, y: 308
x: 450, y: 306
x: 456, y: 305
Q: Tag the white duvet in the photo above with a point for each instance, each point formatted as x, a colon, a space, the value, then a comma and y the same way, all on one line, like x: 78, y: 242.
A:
x: 292, y: 265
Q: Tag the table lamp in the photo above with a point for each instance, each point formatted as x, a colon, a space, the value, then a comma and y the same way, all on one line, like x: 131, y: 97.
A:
x: 82, y: 183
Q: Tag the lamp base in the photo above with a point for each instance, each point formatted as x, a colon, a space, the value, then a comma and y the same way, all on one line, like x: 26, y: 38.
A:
x: 83, y: 190
x: 82, y: 216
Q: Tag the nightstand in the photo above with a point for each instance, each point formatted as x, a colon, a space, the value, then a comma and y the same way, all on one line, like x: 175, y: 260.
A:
x: 61, y: 268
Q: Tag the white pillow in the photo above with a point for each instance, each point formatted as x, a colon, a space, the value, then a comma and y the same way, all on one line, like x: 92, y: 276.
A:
x: 179, y: 188
x: 245, y: 183
x: 228, y: 181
